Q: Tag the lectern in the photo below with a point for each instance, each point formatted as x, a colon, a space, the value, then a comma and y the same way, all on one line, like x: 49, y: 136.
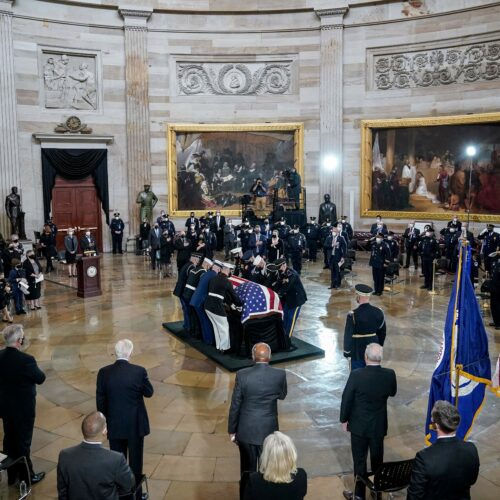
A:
x: 89, y: 277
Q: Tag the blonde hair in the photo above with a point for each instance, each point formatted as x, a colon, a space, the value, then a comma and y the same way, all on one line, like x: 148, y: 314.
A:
x: 278, y: 460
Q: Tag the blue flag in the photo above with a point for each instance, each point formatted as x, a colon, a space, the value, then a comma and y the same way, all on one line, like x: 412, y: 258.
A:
x: 464, y: 356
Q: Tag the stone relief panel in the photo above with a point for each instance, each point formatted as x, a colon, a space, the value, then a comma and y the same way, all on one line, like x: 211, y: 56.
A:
x: 436, y: 67
x: 413, y: 8
x: 69, y: 80
x: 233, y: 78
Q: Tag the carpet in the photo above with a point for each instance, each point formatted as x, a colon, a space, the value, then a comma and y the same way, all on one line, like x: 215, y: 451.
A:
x: 233, y: 363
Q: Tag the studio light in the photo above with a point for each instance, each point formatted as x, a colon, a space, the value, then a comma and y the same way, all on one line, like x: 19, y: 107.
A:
x: 330, y: 162
x: 471, y: 151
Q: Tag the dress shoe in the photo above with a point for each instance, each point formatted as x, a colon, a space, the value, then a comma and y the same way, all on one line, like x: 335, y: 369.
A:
x: 145, y: 496
x: 423, y: 287
x: 349, y: 495
x: 36, y: 478
x: 407, y: 267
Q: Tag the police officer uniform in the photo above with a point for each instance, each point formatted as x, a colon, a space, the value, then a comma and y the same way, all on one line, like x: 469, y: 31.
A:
x: 451, y: 236
x: 378, y: 257
x: 491, y: 243
x: 324, y: 232
x: 364, y: 325
x: 296, y: 246
x: 393, y: 247
x: 429, y: 250
x: 117, y: 226
x: 312, y: 236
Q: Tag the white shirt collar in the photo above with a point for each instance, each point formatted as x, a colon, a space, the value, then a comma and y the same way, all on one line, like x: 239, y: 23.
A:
x: 121, y: 359
x: 92, y: 442
x: 447, y: 436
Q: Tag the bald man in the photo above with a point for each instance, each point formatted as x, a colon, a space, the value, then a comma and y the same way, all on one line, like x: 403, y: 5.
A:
x: 90, y: 471
x: 254, y: 407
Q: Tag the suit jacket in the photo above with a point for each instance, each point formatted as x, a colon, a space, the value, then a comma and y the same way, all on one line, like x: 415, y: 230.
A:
x: 85, y: 244
x: 364, y: 400
x: 444, y: 471
x: 19, y: 375
x: 90, y: 471
x: 222, y: 223
x: 121, y: 389
x: 154, y: 239
x: 254, y: 406
x: 67, y: 243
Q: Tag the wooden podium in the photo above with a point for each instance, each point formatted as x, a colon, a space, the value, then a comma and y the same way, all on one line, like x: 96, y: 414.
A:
x: 89, y: 277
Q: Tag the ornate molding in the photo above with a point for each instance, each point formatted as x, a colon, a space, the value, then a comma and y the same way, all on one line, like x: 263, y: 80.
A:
x: 341, y: 11
x: 134, y: 18
x: 463, y: 64
x: 235, y: 78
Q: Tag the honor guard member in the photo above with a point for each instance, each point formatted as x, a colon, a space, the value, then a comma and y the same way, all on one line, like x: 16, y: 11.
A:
x: 364, y: 325
x: 378, y: 258
x: 259, y: 271
x: 429, y: 251
x: 346, y: 227
x: 491, y: 243
x: 117, y: 226
x: 181, y: 284
x: 194, y: 276
x: 411, y: 237
x: 198, y: 301
x: 455, y: 223
x: 221, y: 293
x: 337, y: 250
x: 296, y: 245
x: 292, y: 295
x: 324, y: 232
x: 312, y: 237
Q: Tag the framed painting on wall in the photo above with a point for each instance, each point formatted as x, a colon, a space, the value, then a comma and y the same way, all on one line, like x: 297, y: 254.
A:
x: 431, y: 168
x: 211, y: 166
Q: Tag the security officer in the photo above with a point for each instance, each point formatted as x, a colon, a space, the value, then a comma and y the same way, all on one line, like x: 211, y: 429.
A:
x: 283, y: 229
x: 346, y: 227
x: 117, y: 226
x: 364, y: 325
x: 429, y: 250
x: 181, y: 284
x: 337, y: 250
x: 312, y: 237
x: 491, y: 243
x: 194, y: 276
x: 455, y: 223
x: 378, y: 258
x: 324, y: 232
x: 450, y: 237
x: 296, y: 246
x: 292, y: 295
x: 411, y: 237
x: 393, y: 247
x: 167, y: 225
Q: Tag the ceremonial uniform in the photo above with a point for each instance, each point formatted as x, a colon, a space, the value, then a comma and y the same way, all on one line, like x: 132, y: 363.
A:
x: 364, y: 325
x: 379, y: 254
x: 220, y: 292
x: 312, y: 236
x: 324, y: 232
x: 393, y: 247
x: 117, y: 226
x: 337, y: 250
x: 194, y: 276
x: 179, y: 289
x: 296, y: 247
x: 197, y: 302
x: 491, y: 243
x: 429, y: 250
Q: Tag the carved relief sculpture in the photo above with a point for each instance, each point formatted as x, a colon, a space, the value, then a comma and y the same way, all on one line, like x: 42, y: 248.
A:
x: 413, y: 8
x: 69, y: 81
x: 444, y: 66
x: 198, y: 78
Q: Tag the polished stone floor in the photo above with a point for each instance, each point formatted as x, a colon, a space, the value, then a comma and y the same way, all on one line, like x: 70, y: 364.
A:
x: 188, y: 454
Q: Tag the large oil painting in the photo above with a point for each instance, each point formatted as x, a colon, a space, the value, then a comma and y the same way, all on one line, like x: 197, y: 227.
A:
x: 212, y: 166
x: 432, y: 167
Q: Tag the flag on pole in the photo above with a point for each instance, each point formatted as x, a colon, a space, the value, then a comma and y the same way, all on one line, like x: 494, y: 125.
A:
x: 463, y: 370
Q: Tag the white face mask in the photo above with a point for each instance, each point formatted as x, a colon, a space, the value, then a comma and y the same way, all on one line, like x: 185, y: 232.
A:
x: 87, y: 233
x: 389, y: 238
x: 378, y: 240
x: 427, y: 233
x: 250, y: 230
x: 452, y: 230
x: 328, y: 224
x: 282, y: 223
x: 70, y: 233
x: 295, y: 231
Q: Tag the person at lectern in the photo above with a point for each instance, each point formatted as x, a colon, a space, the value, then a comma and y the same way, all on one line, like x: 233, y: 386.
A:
x: 147, y: 200
x: 71, y: 246
x: 88, y: 243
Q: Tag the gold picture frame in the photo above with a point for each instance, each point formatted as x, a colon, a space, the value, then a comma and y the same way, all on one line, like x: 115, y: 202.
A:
x: 483, y: 177
x: 294, y: 131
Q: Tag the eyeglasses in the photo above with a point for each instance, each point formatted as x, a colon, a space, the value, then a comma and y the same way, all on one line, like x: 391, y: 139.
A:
x: 21, y: 340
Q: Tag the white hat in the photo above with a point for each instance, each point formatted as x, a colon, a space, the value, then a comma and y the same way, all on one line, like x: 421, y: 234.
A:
x: 257, y: 260
x: 228, y: 265
x: 236, y: 250
x: 206, y: 260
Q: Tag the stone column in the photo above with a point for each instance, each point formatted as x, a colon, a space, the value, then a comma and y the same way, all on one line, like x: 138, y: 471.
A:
x: 137, y: 106
x: 9, y: 152
x: 331, y: 103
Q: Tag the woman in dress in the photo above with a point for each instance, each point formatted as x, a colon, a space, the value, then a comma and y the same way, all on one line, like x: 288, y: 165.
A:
x: 71, y: 246
x: 33, y: 271
x: 278, y: 476
x: 48, y: 244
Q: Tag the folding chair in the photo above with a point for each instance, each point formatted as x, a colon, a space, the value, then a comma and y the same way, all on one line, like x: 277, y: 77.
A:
x: 24, y: 492
x: 390, y: 477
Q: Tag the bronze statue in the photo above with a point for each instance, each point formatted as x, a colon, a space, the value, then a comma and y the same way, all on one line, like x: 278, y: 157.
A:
x: 148, y: 200
x: 14, y: 213
x: 327, y: 210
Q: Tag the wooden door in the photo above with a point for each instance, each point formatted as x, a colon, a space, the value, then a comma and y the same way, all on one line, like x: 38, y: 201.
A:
x: 76, y: 204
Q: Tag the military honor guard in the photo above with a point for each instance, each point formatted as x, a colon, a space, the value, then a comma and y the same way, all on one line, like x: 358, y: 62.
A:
x: 117, y: 226
x: 296, y: 246
x: 194, y: 276
x: 312, y: 237
x: 379, y: 256
x: 364, y: 325
x: 181, y: 284
x: 411, y: 237
x: 429, y: 251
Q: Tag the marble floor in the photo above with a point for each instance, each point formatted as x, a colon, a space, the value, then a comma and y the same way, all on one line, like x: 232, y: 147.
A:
x: 188, y: 455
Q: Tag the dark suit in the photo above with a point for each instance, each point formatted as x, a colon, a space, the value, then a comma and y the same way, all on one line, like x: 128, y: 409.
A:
x: 444, y: 471
x: 90, y: 471
x: 87, y: 243
x: 217, y: 227
x: 364, y: 407
x: 121, y: 389
x: 254, y: 411
x: 19, y: 374
x: 154, y: 244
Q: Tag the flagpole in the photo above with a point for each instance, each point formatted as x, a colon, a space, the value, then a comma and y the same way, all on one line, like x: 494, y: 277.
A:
x: 458, y: 369
x: 454, y: 338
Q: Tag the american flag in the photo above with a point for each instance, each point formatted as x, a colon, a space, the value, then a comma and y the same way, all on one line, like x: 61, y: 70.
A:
x: 258, y: 300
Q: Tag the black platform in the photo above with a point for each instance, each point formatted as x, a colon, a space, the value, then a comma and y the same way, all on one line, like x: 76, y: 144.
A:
x: 234, y: 363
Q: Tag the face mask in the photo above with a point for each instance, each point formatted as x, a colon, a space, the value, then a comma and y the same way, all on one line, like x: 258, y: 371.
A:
x: 282, y: 223
x: 295, y: 231
x: 328, y: 224
x: 379, y: 225
x: 71, y: 233
x: 343, y: 220
x: 250, y: 230
x: 452, y: 230
x: 207, y: 230
x: 410, y: 226
x: 427, y: 233
x: 339, y: 228
x: 389, y: 238
x: 378, y: 240
x: 218, y: 214
x: 31, y: 257
x: 156, y: 226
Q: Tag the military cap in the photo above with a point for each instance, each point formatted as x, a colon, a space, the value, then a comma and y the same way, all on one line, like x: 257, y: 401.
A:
x: 247, y: 255
x: 280, y: 262
x: 208, y: 261
x: 218, y: 263
x: 197, y: 255
x: 363, y: 290
x: 228, y: 265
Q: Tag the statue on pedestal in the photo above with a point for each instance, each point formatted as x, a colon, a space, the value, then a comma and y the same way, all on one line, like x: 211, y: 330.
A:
x: 14, y: 213
x: 148, y: 200
x: 327, y: 210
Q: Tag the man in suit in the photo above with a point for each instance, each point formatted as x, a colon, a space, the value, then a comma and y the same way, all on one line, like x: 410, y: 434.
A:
x: 411, y: 237
x: 254, y: 407
x: 90, y: 471
x: 192, y: 220
x: 88, y: 243
x: 19, y: 375
x: 447, y: 469
x: 217, y: 227
x: 121, y: 389
x: 378, y: 226
x: 363, y: 413
x: 154, y: 244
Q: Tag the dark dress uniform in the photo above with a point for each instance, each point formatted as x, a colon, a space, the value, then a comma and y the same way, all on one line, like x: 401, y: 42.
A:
x: 429, y: 250
x: 495, y: 293
x: 324, y: 232
x: 194, y: 276
x: 450, y: 247
x: 337, y: 250
x: 179, y: 289
x: 379, y: 254
x: 364, y: 325
x: 411, y: 236
x: 312, y: 236
x: 491, y: 243
x: 117, y: 226
x: 296, y: 247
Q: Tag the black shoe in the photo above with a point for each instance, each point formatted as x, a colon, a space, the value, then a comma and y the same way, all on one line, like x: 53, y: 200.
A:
x: 423, y: 287
x: 492, y: 324
x: 22, y: 311
x: 36, y: 478
x: 406, y: 267
x: 350, y: 495
x: 326, y: 267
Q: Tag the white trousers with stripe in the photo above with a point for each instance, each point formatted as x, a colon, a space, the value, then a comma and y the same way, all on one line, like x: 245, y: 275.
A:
x: 221, y: 330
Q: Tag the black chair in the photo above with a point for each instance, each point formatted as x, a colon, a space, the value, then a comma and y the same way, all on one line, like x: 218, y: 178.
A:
x: 390, y: 477
x: 143, y: 484
x: 7, y: 464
